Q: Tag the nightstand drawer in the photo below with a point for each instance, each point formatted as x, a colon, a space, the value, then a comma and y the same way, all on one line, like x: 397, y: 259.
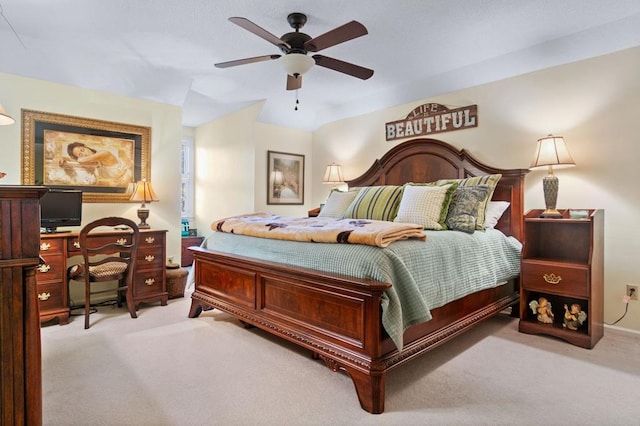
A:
x: 554, y: 278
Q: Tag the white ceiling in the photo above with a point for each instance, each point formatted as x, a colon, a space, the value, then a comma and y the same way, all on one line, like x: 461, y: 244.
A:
x: 165, y: 50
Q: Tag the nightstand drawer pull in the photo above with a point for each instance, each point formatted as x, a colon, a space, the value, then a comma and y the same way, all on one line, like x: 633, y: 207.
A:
x: 45, y: 246
x: 552, y: 278
x: 149, y: 258
x: 149, y: 281
x: 76, y: 244
x: 44, y: 296
x: 121, y: 241
x: 44, y: 268
x: 150, y: 240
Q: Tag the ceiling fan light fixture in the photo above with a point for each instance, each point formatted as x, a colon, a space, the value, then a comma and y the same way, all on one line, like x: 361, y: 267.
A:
x: 297, y: 64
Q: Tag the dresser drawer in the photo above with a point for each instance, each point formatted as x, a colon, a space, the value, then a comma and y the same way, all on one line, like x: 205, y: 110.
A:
x: 151, y: 239
x: 51, y: 245
x: 150, y: 258
x: 52, y: 268
x: 148, y: 283
x: 73, y: 245
x: 50, y: 297
x: 570, y: 280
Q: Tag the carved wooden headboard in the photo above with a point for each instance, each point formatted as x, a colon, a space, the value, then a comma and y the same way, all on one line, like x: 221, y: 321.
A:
x: 427, y: 160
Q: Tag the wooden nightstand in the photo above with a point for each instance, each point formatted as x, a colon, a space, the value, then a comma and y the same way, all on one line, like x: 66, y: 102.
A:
x: 187, y: 256
x: 562, y: 261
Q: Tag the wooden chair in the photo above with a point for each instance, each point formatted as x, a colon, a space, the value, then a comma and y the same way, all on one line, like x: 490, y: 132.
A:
x: 107, y: 258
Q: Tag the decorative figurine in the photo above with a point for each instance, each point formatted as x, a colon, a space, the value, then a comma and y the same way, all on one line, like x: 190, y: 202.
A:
x: 542, y: 307
x: 574, y: 317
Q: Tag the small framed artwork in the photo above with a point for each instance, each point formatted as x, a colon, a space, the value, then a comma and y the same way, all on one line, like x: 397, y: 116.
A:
x: 101, y: 158
x: 285, y: 178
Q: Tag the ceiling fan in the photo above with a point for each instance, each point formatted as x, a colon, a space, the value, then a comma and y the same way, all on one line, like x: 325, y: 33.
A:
x: 295, y: 46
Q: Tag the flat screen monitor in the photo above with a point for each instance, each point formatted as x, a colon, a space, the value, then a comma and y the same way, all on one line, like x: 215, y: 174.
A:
x: 60, y: 208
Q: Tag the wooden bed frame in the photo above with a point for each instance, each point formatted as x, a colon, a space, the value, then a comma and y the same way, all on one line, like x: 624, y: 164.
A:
x: 338, y: 317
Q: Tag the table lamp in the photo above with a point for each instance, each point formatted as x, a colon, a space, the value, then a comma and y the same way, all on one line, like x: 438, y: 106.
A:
x: 551, y: 151
x: 333, y: 175
x: 143, y: 191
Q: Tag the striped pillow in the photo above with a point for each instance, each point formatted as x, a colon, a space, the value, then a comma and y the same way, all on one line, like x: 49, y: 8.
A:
x: 376, y: 203
x: 425, y: 205
x: 490, y: 180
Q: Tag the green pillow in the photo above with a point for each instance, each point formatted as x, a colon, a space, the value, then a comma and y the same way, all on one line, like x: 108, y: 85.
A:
x: 463, y: 210
x: 490, y: 180
x: 375, y: 203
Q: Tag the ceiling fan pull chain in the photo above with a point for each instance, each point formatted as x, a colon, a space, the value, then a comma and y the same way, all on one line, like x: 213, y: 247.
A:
x: 297, y: 101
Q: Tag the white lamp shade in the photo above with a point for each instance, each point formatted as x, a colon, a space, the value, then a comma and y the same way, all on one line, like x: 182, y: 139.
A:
x: 297, y: 63
x: 144, y: 192
x: 5, y: 119
x: 552, y: 151
x: 333, y: 174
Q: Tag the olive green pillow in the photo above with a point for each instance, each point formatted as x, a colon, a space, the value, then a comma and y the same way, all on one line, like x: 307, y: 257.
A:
x: 490, y: 180
x: 375, y: 202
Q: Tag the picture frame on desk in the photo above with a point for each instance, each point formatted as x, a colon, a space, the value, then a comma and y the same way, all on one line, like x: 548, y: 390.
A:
x: 54, y: 146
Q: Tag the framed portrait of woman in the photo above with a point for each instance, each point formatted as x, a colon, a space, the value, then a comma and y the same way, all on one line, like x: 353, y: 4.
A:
x: 101, y: 158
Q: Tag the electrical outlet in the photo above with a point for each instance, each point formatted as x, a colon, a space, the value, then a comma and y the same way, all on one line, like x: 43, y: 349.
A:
x: 632, y: 292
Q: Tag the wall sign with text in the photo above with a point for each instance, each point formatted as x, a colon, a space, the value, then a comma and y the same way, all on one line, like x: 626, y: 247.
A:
x: 432, y: 118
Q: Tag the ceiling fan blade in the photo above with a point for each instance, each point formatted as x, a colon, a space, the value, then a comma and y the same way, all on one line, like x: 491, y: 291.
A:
x: 294, y: 83
x: 346, y: 32
x: 246, y: 61
x: 344, y: 67
x: 259, y: 31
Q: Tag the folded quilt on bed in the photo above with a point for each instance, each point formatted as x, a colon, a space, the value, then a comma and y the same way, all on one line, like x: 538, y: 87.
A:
x: 319, y: 229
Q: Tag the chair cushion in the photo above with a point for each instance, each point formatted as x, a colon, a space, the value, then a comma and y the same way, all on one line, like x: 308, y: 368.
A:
x: 104, y: 271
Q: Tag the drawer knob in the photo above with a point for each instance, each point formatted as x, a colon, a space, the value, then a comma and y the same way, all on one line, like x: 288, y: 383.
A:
x: 552, y: 278
x: 121, y: 241
x: 149, y: 281
x: 76, y: 244
x: 150, y: 240
x: 149, y: 258
x: 44, y: 268
x: 44, y: 296
x: 45, y: 246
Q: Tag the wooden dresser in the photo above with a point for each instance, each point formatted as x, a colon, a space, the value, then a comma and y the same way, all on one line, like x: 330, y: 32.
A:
x: 20, y: 370
x: 56, y: 250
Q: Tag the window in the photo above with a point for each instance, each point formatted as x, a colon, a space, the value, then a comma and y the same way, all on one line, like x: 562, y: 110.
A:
x: 187, y: 203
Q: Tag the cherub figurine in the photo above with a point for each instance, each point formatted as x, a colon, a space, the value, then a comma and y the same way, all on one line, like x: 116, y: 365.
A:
x: 574, y: 317
x: 542, y: 307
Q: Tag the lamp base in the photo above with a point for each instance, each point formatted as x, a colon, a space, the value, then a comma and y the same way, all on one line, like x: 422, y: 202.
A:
x: 143, y: 215
x: 550, y: 187
x: 551, y: 214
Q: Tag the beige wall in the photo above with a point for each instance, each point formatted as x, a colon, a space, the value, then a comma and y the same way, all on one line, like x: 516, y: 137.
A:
x: 594, y: 104
x: 18, y: 93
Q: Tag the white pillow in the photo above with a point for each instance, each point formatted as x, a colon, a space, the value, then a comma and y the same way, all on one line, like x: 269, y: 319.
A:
x: 495, y: 210
x: 337, y: 204
x: 425, y: 205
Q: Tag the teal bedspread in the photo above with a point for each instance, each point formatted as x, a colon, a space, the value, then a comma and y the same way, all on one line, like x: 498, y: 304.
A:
x: 425, y: 274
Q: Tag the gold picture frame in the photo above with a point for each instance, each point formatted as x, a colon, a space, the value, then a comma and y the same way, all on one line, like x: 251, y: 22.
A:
x: 101, y: 158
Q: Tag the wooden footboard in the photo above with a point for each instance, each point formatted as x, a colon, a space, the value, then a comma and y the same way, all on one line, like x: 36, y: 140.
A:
x: 336, y: 317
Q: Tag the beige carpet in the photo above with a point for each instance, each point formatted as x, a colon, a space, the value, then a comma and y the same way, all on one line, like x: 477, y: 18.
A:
x: 166, y: 369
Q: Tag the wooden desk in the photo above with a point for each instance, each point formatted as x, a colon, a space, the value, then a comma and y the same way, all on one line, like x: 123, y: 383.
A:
x: 56, y: 249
